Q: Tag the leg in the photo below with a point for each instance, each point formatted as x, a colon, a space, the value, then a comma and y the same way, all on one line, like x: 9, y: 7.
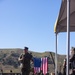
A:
x: 27, y: 72
x: 23, y: 71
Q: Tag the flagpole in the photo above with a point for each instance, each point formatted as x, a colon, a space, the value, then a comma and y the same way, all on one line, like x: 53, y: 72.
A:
x: 68, y: 34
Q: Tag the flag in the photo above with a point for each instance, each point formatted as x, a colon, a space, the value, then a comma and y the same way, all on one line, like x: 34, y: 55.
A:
x: 37, y: 64
x: 36, y: 70
x: 43, y: 65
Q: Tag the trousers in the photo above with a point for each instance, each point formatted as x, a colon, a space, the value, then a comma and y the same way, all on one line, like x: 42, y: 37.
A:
x: 25, y: 71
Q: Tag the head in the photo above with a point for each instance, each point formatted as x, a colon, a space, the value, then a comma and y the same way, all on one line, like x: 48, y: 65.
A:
x: 72, y: 51
x: 25, y: 49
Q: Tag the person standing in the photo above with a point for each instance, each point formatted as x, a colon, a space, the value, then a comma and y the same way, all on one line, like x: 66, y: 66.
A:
x: 25, y: 61
x: 72, y: 60
x: 71, y: 63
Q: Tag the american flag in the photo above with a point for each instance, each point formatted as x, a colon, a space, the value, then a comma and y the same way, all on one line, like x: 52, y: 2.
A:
x: 43, y: 67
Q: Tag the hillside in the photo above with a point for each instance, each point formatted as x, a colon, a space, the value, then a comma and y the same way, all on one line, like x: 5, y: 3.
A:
x: 9, y: 59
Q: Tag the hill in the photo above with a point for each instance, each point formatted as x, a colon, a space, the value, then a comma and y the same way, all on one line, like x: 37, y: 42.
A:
x: 9, y: 59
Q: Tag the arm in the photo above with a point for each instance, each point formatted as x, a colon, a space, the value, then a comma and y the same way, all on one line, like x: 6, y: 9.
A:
x: 31, y: 58
x: 21, y: 57
x: 64, y: 63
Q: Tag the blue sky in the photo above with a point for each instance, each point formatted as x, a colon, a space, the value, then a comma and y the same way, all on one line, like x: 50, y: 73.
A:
x: 31, y: 23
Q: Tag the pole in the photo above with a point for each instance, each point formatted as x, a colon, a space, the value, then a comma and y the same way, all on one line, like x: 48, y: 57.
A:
x: 68, y: 34
x: 56, y: 57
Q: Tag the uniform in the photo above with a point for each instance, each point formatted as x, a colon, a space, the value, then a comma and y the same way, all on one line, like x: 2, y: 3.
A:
x: 26, y: 63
